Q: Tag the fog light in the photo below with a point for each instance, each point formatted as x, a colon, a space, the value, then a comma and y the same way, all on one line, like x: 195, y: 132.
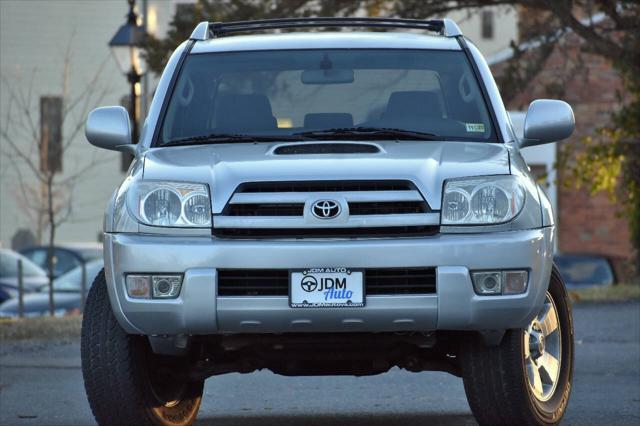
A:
x: 139, y: 286
x: 500, y: 282
x: 166, y: 286
x: 488, y: 282
x: 515, y: 282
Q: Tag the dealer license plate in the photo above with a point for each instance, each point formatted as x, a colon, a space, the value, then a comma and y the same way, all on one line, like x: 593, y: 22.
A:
x: 326, y: 288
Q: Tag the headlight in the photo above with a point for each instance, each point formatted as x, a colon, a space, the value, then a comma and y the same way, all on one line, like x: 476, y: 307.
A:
x: 482, y: 201
x: 178, y: 204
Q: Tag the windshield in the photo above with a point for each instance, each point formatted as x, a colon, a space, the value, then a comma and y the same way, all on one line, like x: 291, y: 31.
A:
x: 302, y: 93
x: 72, y: 280
x: 585, y: 270
x: 9, y: 266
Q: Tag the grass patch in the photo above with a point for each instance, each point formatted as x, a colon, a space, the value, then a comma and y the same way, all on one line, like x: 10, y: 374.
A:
x: 40, y: 328
x: 615, y: 293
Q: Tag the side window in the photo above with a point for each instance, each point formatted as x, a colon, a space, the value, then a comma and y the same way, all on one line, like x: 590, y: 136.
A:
x: 63, y: 262
x: 39, y: 257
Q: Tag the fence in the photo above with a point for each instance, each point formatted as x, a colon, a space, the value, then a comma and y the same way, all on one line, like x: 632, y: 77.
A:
x: 68, y: 309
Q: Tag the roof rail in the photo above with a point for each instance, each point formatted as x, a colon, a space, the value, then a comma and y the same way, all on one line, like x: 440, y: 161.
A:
x: 206, y: 30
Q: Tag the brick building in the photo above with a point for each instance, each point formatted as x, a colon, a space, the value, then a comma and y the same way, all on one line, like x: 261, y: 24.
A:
x: 586, y: 223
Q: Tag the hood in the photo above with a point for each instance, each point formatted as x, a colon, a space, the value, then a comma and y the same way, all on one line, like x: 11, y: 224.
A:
x: 37, y: 304
x: 29, y: 283
x: 225, y: 166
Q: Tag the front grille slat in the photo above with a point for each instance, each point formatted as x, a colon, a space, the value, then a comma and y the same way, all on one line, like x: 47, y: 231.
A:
x: 398, y: 207
x: 265, y: 209
x: 275, y: 282
x: 249, y: 282
x: 326, y: 186
x: 396, y: 281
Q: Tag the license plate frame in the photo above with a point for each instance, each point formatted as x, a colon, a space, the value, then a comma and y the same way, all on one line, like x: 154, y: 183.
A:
x: 353, y: 280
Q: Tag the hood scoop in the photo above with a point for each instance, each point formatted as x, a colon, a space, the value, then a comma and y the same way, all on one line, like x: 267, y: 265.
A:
x: 326, y: 148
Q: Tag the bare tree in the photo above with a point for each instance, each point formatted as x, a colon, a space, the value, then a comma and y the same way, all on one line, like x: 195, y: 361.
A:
x: 36, y: 146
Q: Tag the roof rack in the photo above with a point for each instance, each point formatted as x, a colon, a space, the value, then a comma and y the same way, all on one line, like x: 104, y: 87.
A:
x: 206, y: 30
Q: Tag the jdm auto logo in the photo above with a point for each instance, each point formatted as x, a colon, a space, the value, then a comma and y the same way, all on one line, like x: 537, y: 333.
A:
x: 325, y: 209
x: 309, y: 284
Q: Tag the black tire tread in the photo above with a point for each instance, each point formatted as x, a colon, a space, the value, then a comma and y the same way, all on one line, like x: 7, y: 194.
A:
x: 114, y: 385
x: 496, y: 394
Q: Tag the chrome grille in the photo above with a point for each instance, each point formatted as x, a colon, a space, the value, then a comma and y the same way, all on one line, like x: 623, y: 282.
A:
x: 368, y: 209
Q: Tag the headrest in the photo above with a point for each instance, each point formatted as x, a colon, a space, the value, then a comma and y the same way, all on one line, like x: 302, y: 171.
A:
x: 238, y: 113
x: 413, y: 105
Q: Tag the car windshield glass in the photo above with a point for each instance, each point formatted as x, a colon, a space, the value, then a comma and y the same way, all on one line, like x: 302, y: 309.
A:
x: 321, y: 94
x: 585, y: 270
x: 9, y: 266
x: 72, y: 280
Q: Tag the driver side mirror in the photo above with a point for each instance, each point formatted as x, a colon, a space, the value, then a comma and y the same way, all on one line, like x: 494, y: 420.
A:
x: 110, y: 128
x: 547, y: 121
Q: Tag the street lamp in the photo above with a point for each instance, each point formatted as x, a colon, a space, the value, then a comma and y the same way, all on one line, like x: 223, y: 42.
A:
x: 125, y: 46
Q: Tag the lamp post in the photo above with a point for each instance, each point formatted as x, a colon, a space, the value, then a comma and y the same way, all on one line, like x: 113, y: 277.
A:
x: 125, y: 46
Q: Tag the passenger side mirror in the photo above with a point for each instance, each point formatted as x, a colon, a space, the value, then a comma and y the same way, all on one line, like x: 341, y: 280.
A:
x: 110, y: 128
x: 547, y: 121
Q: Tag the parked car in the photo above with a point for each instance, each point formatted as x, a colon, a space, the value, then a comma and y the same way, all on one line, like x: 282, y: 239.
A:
x: 328, y: 204
x: 67, y: 294
x: 65, y: 257
x: 33, y: 276
x: 585, y: 270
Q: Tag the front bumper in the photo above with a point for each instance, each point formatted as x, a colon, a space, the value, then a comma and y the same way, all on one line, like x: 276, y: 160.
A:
x: 455, y: 306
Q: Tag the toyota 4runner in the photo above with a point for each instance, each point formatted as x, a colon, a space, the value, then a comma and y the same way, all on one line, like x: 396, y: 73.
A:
x: 327, y: 203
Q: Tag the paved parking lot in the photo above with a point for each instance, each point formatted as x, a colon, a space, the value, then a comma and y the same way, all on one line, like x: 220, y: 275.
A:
x: 41, y: 384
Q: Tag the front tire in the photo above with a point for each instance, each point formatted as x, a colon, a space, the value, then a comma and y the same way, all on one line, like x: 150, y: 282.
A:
x: 527, y: 379
x: 126, y: 384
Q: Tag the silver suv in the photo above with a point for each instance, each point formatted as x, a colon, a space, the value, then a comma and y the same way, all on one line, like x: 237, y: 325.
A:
x: 327, y: 203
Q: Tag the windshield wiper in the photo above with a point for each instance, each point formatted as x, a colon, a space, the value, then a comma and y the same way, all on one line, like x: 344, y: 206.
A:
x: 231, y: 137
x: 369, y: 133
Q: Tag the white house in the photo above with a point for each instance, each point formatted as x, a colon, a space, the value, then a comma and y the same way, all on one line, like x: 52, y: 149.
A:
x: 35, y: 38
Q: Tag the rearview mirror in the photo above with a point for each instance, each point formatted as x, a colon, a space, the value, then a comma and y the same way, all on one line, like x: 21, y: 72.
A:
x: 110, y: 128
x: 327, y: 76
x: 547, y: 121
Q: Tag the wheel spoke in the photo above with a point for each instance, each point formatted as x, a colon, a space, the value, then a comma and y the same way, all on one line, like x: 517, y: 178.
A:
x: 543, y: 351
x: 534, y: 377
x: 550, y: 365
x: 549, y: 322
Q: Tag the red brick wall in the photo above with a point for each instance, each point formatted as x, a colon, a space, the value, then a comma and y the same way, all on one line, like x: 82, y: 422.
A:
x: 586, y: 224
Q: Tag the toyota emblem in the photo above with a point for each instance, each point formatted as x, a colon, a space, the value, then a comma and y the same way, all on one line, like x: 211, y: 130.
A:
x: 325, y: 209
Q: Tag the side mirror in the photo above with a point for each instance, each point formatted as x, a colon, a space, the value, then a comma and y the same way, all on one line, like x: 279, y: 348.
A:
x: 110, y: 128
x: 547, y: 121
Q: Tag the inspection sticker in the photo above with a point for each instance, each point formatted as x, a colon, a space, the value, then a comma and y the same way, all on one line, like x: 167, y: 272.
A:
x: 475, y: 127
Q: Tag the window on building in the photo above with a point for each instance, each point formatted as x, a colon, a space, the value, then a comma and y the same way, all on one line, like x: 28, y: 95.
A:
x: 487, y: 24
x: 51, y: 133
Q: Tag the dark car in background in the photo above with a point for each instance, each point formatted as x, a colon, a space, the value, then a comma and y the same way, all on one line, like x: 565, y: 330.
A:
x: 65, y: 257
x: 33, y: 276
x: 67, y: 294
x: 585, y: 270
